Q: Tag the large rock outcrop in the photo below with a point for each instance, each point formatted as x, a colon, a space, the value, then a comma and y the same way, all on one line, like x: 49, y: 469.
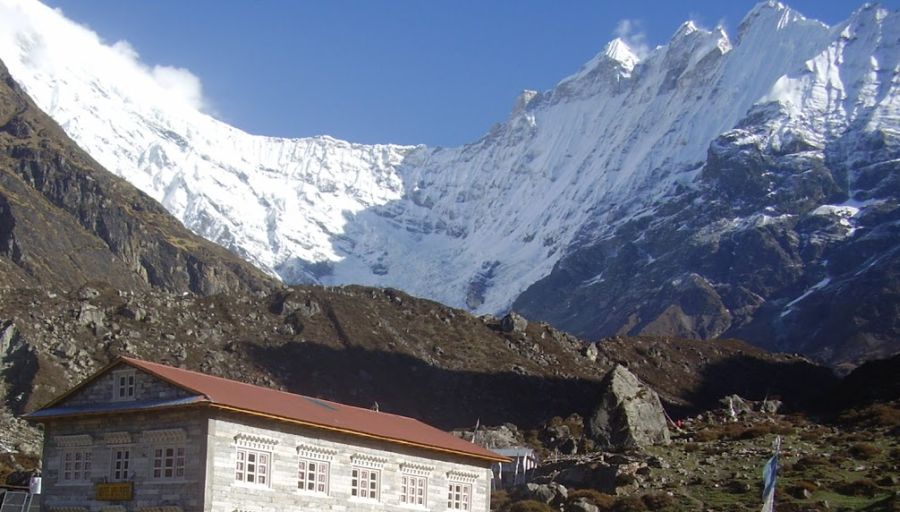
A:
x: 629, y: 414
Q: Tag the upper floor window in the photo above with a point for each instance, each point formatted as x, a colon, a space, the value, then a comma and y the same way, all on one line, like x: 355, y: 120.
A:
x: 123, y: 385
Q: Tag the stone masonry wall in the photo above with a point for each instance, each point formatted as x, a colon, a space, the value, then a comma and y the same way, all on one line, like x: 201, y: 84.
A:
x: 142, y: 432
x: 147, y: 387
x: 226, y: 432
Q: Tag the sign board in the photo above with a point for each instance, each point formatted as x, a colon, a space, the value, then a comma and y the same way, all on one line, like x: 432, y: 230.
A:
x: 119, y: 491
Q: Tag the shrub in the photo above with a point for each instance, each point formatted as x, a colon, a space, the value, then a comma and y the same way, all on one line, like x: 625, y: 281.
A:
x: 755, y: 432
x: 629, y: 504
x: 706, y: 435
x: 499, y: 499
x: 596, y: 498
x: 809, y: 462
x: 861, y: 487
x: 529, y: 506
x: 864, y: 451
x: 691, y: 447
x: 658, y: 501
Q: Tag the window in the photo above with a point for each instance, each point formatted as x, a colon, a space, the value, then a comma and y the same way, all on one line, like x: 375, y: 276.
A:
x: 252, y: 467
x: 76, y: 465
x: 458, y: 496
x: 123, y: 385
x: 168, y: 462
x: 413, y: 490
x: 121, y: 462
x: 364, y: 483
x: 313, y: 476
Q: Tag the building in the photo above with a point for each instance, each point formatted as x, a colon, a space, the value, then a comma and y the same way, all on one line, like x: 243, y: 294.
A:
x: 517, y: 470
x: 141, y: 436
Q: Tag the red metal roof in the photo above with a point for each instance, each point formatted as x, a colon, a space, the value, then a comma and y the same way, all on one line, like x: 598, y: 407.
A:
x: 313, y: 412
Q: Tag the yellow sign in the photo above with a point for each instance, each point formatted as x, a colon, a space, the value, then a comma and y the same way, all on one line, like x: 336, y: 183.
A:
x: 119, y: 491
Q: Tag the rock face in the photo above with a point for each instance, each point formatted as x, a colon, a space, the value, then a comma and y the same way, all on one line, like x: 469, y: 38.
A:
x: 64, y: 220
x: 629, y: 415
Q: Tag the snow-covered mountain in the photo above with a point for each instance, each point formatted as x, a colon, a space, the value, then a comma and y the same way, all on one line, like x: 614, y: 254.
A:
x: 629, y: 160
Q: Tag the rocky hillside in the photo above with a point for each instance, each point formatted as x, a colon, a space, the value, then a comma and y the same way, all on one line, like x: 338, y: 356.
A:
x: 64, y: 220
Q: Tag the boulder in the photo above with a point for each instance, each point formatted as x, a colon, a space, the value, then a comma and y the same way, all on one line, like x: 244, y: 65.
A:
x: 513, y: 322
x: 629, y: 414
x: 547, y: 493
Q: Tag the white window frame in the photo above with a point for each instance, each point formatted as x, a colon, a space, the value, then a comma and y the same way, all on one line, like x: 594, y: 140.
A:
x: 161, y: 455
x: 119, y: 466
x: 124, y: 391
x: 410, y: 485
x: 243, y: 471
x: 258, y: 446
x: 369, y: 476
x: 81, y: 468
x: 320, y: 474
x: 459, y: 495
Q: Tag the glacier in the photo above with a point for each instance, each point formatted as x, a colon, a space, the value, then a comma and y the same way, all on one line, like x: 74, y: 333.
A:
x: 472, y: 226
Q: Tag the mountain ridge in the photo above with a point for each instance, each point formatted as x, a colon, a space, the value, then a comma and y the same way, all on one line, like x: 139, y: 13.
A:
x: 622, y: 143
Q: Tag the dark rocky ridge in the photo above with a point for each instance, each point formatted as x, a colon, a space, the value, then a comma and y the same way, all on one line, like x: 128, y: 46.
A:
x: 746, y: 254
x: 64, y: 220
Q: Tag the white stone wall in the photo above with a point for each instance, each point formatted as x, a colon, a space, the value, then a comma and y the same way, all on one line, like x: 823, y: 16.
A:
x: 107, y: 432
x: 282, y: 495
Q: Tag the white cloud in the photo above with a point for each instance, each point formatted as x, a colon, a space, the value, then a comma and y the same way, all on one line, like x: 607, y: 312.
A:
x: 632, y: 32
x: 42, y: 38
x: 178, y: 83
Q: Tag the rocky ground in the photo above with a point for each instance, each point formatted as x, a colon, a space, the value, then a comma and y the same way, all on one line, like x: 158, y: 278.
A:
x: 847, y: 461
x: 308, y: 339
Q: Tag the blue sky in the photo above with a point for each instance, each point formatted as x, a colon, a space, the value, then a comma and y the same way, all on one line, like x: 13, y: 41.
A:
x: 399, y: 71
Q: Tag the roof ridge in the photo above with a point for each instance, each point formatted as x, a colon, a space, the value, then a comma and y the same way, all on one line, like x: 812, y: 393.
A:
x: 142, y: 362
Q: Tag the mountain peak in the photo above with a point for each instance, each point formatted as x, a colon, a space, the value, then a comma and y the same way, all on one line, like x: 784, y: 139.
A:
x: 619, y: 51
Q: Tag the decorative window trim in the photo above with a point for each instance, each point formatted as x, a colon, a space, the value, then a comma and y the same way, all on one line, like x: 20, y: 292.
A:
x: 73, y: 441
x: 411, y: 468
x: 363, y: 460
x: 164, y: 436
x: 308, y: 451
x: 256, y: 442
x: 117, y: 438
x: 120, y: 392
x: 465, y: 477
